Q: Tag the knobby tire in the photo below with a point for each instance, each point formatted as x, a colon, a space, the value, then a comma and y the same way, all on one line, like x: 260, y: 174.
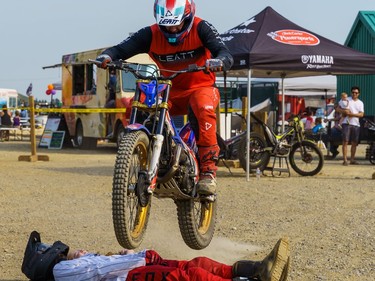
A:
x: 306, y: 158
x: 257, y: 159
x: 129, y: 217
x: 196, y: 219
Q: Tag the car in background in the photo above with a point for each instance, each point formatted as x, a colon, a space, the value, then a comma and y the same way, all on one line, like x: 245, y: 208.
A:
x: 40, y: 121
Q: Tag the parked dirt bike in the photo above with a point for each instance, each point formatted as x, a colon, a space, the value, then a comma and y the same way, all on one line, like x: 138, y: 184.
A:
x: 304, y: 155
x: 153, y: 159
x: 234, y: 147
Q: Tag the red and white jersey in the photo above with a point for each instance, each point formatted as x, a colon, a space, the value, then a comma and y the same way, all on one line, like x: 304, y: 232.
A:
x: 176, y: 57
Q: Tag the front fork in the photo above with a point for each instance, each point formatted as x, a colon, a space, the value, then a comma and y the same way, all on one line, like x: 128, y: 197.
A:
x: 152, y: 173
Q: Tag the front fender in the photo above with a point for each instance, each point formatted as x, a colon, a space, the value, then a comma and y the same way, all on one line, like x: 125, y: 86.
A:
x: 137, y: 127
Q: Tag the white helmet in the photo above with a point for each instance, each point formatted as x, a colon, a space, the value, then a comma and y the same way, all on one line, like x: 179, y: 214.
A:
x: 172, y: 13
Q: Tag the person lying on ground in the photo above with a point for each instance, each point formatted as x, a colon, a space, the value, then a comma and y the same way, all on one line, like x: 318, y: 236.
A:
x: 56, y: 262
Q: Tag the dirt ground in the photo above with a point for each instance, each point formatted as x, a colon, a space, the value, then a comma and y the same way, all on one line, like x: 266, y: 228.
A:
x: 329, y: 218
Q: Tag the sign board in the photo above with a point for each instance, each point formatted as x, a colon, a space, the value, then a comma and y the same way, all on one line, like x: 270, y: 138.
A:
x: 57, y: 140
x: 51, y: 126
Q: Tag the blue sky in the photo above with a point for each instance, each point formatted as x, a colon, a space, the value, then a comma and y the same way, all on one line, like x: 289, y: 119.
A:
x: 36, y: 33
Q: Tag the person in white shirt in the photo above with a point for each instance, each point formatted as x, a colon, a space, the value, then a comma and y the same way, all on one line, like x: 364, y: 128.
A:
x: 351, y: 126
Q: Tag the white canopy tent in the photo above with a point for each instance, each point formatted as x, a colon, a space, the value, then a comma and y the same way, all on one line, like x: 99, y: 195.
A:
x: 310, y: 86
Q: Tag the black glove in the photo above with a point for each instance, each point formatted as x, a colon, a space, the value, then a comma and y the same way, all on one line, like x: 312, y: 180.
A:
x: 104, y: 60
x: 214, y: 65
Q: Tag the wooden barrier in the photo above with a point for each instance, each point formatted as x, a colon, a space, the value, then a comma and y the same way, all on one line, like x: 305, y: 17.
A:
x: 5, y: 133
x: 33, y: 157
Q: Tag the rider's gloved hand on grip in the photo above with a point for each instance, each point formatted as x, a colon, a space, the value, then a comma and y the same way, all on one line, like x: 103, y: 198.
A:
x: 104, y: 60
x: 214, y: 65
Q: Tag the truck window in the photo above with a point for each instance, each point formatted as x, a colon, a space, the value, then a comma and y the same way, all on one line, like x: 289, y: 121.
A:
x: 78, y: 79
x: 90, y: 80
x: 83, y: 79
x: 12, y: 102
x: 128, y: 80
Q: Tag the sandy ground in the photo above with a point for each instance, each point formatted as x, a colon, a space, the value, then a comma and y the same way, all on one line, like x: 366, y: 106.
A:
x: 329, y: 218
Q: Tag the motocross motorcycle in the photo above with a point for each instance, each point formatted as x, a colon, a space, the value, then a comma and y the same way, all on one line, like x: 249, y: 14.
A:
x: 304, y: 155
x: 154, y: 160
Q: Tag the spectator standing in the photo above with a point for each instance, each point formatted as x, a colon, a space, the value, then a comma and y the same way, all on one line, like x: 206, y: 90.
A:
x: 335, y: 134
x: 16, y: 119
x: 6, y: 122
x: 351, y: 126
x: 23, y: 113
x: 111, y: 102
x: 112, y: 85
x: 6, y: 117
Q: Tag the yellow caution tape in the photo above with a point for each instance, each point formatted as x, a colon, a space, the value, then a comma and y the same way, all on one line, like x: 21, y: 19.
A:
x: 74, y: 110
x: 81, y: 110
x: 230, y: 110
x: 95, y: 110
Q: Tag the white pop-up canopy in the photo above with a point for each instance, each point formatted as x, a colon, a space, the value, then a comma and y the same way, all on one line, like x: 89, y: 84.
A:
x: 310, y: 86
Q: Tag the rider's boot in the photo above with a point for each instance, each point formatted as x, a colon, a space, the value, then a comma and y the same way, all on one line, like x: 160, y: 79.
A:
x: 274, y: 267
x: 207, y: 178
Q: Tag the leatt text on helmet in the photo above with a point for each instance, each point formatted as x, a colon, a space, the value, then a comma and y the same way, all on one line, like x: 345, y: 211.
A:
x: 169, y: 22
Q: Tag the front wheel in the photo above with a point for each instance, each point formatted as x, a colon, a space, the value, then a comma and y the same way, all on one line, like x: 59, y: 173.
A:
x: 130, y: 215
x: 258, y: 157
x: 196, y: 219
x: 306, y: 158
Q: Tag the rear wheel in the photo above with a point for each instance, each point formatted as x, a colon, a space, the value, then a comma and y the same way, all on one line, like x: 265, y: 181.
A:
x: 258, y: 158
x: 81, y: 141
x: 196, y: 219
x: 130, y: 215
x: 306, y: 158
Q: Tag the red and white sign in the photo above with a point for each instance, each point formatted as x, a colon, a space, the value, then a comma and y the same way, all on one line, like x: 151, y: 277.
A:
x: 294, y: 37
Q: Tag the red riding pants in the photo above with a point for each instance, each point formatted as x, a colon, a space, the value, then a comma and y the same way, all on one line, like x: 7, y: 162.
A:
x: 197, y: 269
x: 203, y: 102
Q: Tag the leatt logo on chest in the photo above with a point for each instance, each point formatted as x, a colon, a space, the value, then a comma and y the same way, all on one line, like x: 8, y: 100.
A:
x: 179, y: 56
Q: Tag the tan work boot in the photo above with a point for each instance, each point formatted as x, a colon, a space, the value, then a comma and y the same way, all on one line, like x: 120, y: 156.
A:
x: 206, y: 184
x: 273, y: 266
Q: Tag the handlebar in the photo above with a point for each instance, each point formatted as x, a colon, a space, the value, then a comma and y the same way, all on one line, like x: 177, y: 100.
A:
x: 134, y: 68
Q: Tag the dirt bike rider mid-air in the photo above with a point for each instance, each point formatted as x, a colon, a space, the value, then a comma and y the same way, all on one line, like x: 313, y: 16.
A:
x: 179, y: 39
